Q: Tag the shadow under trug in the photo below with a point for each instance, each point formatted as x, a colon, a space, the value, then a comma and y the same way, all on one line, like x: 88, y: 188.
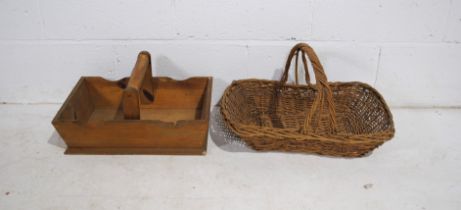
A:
x: 56, y: 140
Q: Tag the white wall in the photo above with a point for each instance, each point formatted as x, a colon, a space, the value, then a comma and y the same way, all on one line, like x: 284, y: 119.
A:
x: 409, y: 50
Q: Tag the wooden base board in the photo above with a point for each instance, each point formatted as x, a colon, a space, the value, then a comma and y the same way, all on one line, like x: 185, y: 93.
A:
x: 133, y: 151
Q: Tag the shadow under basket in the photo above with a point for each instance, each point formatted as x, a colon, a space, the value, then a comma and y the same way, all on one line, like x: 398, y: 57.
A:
x: 136, y: 115
x: 347, y: 119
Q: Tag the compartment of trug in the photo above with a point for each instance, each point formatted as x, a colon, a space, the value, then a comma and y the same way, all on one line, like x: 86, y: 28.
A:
x: 176, y: 100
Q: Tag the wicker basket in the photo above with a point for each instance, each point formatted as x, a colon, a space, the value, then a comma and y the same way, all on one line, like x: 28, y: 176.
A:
x: 329, y: 118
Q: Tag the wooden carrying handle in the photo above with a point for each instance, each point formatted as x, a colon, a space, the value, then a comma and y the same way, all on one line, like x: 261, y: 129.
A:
x: 324, y: 93
x: 140, y: 81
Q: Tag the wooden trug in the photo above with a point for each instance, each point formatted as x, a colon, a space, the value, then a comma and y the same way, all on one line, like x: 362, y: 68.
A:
x: 136, y: 115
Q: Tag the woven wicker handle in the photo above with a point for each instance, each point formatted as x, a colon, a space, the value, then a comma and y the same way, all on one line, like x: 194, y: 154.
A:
x: 324, y: 91
x: 295, y: 52
x: 135, y: 91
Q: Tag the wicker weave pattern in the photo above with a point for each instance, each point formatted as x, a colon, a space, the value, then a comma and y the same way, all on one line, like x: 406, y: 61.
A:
x: 336, y: 119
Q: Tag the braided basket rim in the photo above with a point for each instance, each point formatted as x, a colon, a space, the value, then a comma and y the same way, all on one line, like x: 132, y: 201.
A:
x: 375, y: 137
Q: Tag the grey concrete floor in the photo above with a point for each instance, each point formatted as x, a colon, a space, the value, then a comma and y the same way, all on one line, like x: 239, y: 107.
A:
x: 419, y: 169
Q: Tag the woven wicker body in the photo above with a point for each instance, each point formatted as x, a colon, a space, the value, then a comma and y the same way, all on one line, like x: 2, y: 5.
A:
x: 336, y: 119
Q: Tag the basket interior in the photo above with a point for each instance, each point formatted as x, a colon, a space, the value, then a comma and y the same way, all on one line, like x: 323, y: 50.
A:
x: 359, y: 108
x: 96, y: 99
